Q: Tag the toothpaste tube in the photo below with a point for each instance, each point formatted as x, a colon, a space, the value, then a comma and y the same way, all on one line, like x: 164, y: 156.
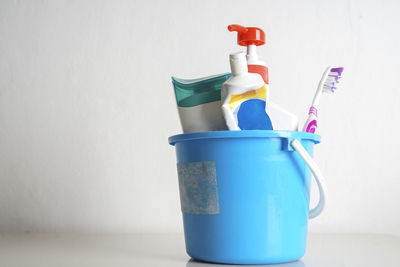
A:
x: 199, y: 103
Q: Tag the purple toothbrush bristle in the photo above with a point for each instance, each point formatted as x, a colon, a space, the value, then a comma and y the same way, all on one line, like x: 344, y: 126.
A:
x: 338, y: 71
x: 332, y: 79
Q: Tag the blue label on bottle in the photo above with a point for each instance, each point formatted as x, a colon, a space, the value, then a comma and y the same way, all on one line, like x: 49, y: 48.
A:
x: 252, y: 116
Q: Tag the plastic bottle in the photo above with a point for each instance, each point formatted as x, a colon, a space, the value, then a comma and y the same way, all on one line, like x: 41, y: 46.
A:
x: 251, y: 37
x: 243, y: 98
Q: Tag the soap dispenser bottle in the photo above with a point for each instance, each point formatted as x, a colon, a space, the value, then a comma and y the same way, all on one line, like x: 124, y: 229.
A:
x: 251, y: 37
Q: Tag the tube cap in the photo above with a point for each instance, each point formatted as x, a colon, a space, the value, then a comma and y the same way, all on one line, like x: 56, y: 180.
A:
x: 248, y: 35
x: 238, y: 63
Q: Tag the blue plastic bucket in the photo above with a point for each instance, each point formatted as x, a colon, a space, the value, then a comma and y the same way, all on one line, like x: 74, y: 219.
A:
x: 244, y: 195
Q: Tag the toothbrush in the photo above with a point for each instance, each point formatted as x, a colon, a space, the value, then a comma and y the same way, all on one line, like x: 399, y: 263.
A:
x: 327, y: 84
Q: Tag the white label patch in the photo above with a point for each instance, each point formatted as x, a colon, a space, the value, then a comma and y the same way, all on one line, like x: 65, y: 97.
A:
x: 198, y: 187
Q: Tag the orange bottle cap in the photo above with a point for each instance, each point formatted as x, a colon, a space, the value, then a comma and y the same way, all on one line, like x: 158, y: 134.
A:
x: 248, y: 35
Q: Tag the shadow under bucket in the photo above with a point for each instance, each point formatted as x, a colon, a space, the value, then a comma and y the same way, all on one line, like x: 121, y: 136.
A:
x: 245, y: 194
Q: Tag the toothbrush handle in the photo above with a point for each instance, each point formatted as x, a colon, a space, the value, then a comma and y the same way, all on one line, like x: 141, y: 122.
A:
x: 319, y: 178
x: 311, y: 124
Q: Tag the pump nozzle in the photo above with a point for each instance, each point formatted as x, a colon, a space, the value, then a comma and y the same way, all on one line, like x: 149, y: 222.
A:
x: 248, y: 35
x: 237, y: 28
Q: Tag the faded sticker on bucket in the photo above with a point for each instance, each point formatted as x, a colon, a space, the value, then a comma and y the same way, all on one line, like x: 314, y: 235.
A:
x: 198, y: 187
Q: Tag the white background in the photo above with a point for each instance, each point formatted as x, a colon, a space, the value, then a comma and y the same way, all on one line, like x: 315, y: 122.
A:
x: 86, y: 105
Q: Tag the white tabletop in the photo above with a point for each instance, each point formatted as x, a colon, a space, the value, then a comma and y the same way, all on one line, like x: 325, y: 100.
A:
x: 58, y: 250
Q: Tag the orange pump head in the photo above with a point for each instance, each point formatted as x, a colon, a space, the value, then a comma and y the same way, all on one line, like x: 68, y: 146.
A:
x: 248, y: 35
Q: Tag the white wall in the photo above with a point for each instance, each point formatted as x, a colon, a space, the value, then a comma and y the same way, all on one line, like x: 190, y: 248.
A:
x: 86, y: 105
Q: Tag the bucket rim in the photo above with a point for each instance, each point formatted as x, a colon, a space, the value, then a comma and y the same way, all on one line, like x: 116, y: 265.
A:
x: 172, y: 140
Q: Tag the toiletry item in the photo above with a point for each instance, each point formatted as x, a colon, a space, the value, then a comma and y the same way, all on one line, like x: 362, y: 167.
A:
x: 251, y: 37
x: 199, y: 103
x: 327, y: 84
x: 243, y: 98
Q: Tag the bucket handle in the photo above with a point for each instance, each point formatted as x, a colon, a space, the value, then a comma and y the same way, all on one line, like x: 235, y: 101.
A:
x: 319, y: 178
